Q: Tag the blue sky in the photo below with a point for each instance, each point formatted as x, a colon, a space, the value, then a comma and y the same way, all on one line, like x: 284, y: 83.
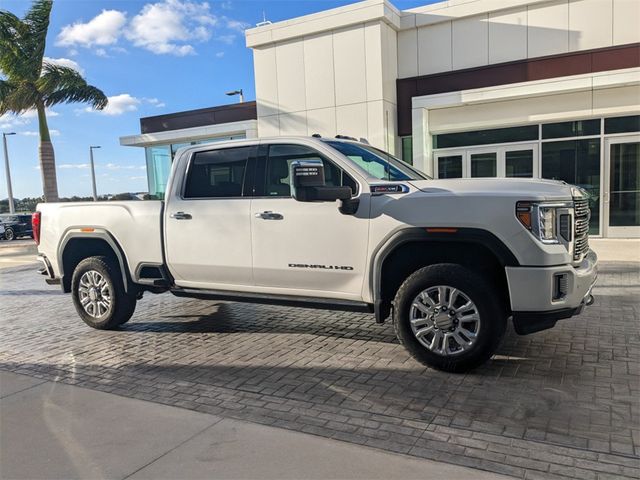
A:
x: 196, y: 56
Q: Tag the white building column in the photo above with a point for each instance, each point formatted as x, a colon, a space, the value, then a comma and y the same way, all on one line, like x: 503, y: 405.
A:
x: 421, y: 140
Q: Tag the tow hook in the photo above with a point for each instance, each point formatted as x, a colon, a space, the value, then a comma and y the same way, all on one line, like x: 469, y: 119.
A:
x: 589, y: 300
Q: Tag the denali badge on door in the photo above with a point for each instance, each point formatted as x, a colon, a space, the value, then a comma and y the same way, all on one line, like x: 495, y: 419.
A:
x: 324, y: 267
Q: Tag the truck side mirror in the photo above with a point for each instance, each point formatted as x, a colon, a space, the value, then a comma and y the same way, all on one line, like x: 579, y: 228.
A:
x: 309, y: 186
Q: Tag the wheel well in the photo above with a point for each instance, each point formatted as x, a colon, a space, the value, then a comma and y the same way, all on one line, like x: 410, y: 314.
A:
x: 77, y: 249
x: 411, y: 256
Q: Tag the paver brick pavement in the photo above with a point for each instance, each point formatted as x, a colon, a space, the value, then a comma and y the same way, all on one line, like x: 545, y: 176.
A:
x: 563, y: 403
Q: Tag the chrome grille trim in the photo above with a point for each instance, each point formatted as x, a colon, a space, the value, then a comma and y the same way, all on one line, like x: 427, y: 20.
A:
x: 581, y: 228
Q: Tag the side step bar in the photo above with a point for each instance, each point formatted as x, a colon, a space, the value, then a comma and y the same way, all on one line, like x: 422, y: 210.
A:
x: 268, y: 299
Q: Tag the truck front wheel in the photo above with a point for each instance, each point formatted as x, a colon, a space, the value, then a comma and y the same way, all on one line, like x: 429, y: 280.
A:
x: 448, y: 317
x: 99, y: 295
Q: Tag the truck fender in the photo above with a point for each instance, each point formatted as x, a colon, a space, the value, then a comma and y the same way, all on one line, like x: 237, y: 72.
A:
x: 88, y: 232
x: 422, y: 234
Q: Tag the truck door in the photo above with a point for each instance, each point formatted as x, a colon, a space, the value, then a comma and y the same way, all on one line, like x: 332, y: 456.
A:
x: 207, y: 219
x: 303, y: 248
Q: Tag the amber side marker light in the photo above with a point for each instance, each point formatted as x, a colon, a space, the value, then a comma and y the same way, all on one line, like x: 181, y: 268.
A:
x: 87, y: 229
x: 441, y: 230
x: 523, y: 212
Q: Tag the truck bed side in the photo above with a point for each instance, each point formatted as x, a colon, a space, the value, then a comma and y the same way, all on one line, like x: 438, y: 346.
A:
x: 134, y: 226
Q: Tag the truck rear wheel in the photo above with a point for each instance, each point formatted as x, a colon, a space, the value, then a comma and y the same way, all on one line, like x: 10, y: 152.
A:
x: 99, y: 295
x: 448, y: 317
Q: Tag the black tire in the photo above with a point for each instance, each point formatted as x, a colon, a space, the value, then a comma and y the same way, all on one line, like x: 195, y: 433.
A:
x: 121, y: 305
x: 9, y: 234
x: 478, y: 290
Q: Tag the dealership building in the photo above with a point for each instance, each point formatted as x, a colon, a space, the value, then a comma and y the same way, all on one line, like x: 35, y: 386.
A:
x: 460, y: 88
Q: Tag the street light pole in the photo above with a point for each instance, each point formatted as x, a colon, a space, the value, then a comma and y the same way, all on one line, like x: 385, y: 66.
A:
x: 12, y: 208
x: 236, y: 92
x: 93, y: 172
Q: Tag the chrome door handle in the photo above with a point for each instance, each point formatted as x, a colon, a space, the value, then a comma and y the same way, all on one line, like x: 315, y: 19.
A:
x: 181, y: 216
x: 269, y: 215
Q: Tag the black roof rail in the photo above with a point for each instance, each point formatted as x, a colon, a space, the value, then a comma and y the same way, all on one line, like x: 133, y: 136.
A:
x: 345, y: 137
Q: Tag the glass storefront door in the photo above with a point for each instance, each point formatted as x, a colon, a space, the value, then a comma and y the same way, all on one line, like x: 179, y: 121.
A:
x: 622, y: 186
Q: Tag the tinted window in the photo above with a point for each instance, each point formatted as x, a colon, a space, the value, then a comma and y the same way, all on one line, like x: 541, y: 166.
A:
x: 277, y: 180
x: 450, y: 166
x: 580, y: 128
x: 486, y: 137
x: 622, y: 124
x: 576, y: 162
x: 217, y: 173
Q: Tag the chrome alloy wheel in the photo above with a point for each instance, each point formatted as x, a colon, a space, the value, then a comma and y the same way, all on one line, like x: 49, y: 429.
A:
x: 94, y: 293
x: 444, y: 320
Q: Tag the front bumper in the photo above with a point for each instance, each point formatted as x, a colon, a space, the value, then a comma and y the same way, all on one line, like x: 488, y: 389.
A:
x: 537, y: 301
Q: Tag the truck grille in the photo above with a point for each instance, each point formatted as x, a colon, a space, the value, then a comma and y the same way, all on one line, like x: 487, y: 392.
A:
x: 581, y: 238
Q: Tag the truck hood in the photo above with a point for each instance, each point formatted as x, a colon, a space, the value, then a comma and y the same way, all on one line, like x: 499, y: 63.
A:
x: 522, y: 188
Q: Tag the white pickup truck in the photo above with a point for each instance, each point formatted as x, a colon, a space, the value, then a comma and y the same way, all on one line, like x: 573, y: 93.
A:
x: 334, y: 224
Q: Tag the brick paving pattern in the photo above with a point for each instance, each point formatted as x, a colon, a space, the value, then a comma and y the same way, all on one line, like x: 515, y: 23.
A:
x: 557, y: 404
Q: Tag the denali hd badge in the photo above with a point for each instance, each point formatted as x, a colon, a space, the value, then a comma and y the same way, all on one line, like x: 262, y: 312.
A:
x: 321, y: 267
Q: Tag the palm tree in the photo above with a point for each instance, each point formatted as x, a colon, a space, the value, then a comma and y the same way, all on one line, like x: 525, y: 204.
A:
x: 27, y: 82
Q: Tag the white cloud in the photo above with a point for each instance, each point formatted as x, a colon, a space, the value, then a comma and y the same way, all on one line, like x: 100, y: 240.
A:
x: 10, y: 121
x: 54, y: 133
x: 118, y: 104
x: 170, y: 26
x: 165, y: 27
x: 65, y: 62
x: 141, y: 177
x: 114, y: 166
x: 219, y: 54
x: 34, y: 113
x: 68, y: 166
x: 155, y: 102
x: 228, y: 39
x: 29, y: 133
x: 104, y: 29
x: 236, y: 25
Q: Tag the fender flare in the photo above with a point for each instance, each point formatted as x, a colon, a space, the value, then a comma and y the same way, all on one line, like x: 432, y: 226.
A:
x: 95, y: 233
x: 420, y: 234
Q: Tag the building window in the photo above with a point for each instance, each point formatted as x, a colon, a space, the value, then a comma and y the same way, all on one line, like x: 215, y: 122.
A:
x: 519, y: 163
x: 576, y: 162
x: 622, y: 124
x: 486, y: 137
x: 450, y: 166
x: 484, y: 164
x: 580, y: 128
x: 158, y: 167
x: 407, y: 149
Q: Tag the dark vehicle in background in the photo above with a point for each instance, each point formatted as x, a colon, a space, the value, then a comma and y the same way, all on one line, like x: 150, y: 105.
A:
x: 16, y: 226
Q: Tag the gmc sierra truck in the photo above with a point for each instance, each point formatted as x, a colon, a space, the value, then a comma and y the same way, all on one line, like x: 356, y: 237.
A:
x: 334, y: 224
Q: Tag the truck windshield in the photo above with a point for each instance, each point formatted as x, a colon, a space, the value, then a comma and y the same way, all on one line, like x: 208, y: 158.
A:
x: 377, y: 163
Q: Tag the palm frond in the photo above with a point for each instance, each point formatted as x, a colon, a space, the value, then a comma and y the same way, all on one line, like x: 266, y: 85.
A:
x: 37, y: 19
x: 63, y: 85
x: 17, y: 97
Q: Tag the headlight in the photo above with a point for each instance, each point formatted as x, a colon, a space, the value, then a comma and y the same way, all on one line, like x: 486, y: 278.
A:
x: 548, y: 222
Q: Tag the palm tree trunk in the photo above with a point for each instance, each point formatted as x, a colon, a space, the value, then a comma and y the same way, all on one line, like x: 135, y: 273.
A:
x: 47, y: 159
